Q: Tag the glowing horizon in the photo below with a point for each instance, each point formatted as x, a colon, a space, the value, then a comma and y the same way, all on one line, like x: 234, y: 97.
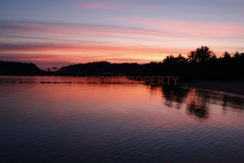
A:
x: 58, y: 33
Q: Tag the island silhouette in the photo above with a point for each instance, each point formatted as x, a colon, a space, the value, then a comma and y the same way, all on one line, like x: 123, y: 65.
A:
x: 201, y: 64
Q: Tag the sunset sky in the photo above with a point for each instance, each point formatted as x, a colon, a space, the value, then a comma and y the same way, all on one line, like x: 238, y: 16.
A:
x: 61, y: 32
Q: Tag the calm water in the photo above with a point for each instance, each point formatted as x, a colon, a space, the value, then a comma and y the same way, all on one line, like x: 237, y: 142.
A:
x: 59, y: 121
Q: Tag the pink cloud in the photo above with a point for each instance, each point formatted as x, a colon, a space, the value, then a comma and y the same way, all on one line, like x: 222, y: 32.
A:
x: 76, y: 29
x: 150, y: 29
x: 186, y: 28
x: 125, y: 49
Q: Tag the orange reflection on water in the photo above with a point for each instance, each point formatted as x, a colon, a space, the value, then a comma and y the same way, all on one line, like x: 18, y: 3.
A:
x: 141, y: 105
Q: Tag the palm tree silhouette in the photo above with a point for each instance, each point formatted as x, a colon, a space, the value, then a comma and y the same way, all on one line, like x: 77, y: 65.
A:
x: 202, y: 54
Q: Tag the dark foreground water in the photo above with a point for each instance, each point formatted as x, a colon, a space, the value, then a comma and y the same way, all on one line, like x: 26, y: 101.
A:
x: 70, y: 122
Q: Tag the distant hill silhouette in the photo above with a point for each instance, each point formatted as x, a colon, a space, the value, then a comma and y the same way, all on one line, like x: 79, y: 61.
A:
x: 18, y: 68
x: 201, y: 64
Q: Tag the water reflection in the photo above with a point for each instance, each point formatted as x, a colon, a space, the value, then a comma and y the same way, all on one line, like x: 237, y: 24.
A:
x: 174, y: 94
x: 53, y: 119
x: 197, y: 104
x: 197, y: 100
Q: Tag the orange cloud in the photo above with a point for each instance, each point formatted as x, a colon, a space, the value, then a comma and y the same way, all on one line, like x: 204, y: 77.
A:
x: 6, y: 48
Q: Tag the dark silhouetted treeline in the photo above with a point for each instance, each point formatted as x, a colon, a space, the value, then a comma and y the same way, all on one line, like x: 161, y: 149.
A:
x: 18, y: 68
x: 201, y: 64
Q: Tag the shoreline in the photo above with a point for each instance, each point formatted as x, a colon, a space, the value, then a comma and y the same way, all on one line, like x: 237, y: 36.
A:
x: 236, y: 88
x: 231, y: 87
